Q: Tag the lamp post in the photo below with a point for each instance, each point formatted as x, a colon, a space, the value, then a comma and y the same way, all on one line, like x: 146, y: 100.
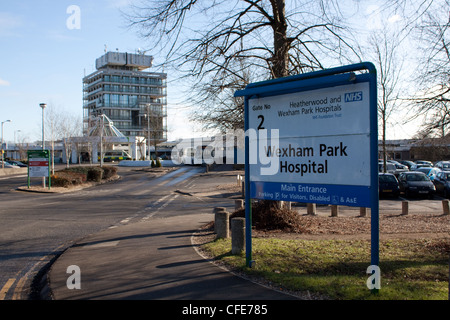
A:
x: 148, y: 130
x: 43, y: 105
x: 15, y: 145
x: 3, y: 164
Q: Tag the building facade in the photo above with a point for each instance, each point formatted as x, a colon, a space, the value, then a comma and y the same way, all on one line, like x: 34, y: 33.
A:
x: 133, y: 98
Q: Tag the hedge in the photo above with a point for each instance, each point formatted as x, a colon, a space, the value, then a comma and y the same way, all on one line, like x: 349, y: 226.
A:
x: 77, y: 175
x: 67, y: 179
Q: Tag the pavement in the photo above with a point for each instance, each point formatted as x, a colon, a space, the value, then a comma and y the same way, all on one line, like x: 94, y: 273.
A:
x: 149, y: 260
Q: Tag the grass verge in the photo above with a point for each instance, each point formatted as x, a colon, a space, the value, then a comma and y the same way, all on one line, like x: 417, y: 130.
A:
x: 415, y: 269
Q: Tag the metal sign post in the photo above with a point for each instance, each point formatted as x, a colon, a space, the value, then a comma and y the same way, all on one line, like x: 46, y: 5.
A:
x: 316, y: 140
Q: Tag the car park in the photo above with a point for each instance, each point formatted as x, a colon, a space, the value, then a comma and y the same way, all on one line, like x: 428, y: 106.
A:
x: 415, y: 183
x: 388, y: 185
x: 442, y: 183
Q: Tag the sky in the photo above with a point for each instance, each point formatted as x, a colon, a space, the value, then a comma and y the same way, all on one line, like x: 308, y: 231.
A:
x: 46, y: 48
x: 46, y: 51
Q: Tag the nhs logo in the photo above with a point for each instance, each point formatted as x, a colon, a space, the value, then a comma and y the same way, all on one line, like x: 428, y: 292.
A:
x: 353, y: 96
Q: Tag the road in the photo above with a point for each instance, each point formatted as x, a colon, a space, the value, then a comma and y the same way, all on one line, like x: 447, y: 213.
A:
x: 36, y: 227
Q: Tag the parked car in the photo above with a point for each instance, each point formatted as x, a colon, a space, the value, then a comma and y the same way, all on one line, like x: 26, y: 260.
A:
x: 442, y: 183
x: 388, y: 185
x: 397, y: 164
x: 424, y: 162
x: 390, y: 168
x: 414, y: 183
x: 430, y: 172
x: 6, y: 164
x: 420, y: 165
x: 17, y: 163
x: 407, y: 163
x: 398, y: 167
x: 443, y: 165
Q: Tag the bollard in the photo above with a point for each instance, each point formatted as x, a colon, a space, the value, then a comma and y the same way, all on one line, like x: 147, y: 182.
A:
x: 311, y: 209
x: 222, y: 224
x: 287, y: 205
x: 405, y: 205
x: 215, y: 210
x: 362, y: 212
x: 238, y: 204
x: 237, y: 235
x: 445, y: 207
x: 334, y: 210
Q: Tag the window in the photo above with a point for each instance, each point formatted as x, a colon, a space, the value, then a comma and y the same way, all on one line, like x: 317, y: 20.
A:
x: 123, y: 100
x: 106, y: 99
x: 132, y: 100
x: 114, y: 99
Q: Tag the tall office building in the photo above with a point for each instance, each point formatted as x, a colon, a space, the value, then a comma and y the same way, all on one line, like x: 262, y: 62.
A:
x: 132, y: 98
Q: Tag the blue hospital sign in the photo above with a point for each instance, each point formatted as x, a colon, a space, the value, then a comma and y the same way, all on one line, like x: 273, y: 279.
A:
x: 313, y: 138
x: 322, y: 153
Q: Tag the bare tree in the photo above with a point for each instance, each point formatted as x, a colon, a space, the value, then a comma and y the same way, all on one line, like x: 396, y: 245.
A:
x: 269, y: 38
x: 220, y: 108
x: 433, y: 98
x: 69, y: 126
x: 52, y: 120
x: 384, y: 45
x: 61, y: 125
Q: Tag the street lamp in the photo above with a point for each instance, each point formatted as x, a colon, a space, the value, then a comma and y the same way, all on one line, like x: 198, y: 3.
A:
x: 148, y: 130
x: 15, y: 145
x: 43, y: 106
x: 3, y: 164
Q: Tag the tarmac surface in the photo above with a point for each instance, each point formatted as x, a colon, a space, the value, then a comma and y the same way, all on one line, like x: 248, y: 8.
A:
x: 149, y: 260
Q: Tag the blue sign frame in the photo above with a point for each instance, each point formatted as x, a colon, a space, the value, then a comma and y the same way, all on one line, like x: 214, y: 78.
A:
x: 333, y: 77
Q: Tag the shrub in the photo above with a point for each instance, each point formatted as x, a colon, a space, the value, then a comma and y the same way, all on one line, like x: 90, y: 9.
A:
x: 266, y: 217
x: 158, y: 163
x: 95, y: 174
x: 58, y: 181
x: 153, y: 164
x: 77, y: 175
x: 67, y: 178
x: 83, y: 170
x: 92, y: 173
x: 109, y: 171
